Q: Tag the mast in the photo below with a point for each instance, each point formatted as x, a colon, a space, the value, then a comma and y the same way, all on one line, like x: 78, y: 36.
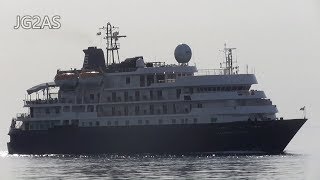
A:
x: 229, y: 69
x: 111, y: 36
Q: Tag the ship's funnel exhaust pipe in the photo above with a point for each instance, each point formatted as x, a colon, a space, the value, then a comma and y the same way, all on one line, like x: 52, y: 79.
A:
x: 93, y: 59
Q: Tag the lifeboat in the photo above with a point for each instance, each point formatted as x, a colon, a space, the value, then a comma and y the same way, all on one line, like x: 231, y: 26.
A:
x: 66, y: 79
x: 90, y: 77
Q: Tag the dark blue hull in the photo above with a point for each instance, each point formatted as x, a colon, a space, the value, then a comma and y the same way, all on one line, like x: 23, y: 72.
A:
x: 268, y: 137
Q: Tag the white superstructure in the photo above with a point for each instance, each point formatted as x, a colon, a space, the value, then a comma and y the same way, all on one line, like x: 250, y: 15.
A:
x: 138, y: 93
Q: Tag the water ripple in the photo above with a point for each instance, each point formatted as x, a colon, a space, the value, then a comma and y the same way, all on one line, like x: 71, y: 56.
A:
x: 288, y: 166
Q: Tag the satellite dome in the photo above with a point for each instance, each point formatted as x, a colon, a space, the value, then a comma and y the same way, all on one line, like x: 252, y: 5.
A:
x: 182, y: 53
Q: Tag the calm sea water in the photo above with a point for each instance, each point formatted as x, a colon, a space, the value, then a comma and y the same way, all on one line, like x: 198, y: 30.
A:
x: 287, y: 166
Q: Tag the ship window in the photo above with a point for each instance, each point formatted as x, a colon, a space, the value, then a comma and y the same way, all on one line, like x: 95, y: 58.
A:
x: 137, y: 95
x: 83, y: 124
x: 186, y: 120
x: 126, y: 110
x: 65, y: 122
x: 57, y: 110
x: 182, y: 121
x: 113, y: 111
x: 127, y: 122
x: 159, y: 93
x: 137, y: 110
x: 199, y: 105
x: 126, y: 96
x: 139, y: 121
x: 47, y: 111
x: 187, y: 98
x: 171, y: 76
x: 191, y: 90
x: 91, y: 97
x: 109, y: 123
x: 97, y: 123
x: 178, y: 92
x: 165, y: 109
x: 127, y: 80
x: 142, y: 81
x: 147, y: 122
x: 150, y: 80
x: 213, y: 120
x: 75, y: 122
x: 228, y: 88
x: 160, y: 78
x: 160, y: 121
x: 78, y: 108
x: 90, y: 108
x: 173, y: 121
x: 195, y: 120
x: 114, y: 96
x: 151, y: 109
x: 90, y: 123
x: 116, y: 123
x: 151, y: 94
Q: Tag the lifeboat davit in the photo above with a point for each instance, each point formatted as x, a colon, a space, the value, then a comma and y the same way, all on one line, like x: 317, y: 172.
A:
x: 90, y: 77
x: 66, y: 79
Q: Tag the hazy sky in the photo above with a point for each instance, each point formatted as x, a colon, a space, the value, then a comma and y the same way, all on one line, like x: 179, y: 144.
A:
x: 279, y: 39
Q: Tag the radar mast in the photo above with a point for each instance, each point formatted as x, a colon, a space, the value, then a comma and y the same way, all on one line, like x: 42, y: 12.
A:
x: 230, y: 64
x: 112, y: 45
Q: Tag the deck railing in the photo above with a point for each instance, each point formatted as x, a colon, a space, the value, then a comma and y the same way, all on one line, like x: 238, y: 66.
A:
x: 202, y: 72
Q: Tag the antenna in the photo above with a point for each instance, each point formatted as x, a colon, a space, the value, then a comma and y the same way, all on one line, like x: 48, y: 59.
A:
x: 111, y: 36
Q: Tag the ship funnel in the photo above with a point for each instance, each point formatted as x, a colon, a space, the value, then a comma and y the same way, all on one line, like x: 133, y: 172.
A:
x: 93, y: 59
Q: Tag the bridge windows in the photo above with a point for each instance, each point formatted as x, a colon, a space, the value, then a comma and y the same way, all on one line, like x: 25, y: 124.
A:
x: 222, y: 88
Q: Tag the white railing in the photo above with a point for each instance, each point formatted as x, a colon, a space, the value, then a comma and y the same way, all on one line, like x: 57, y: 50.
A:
x: 205, y: 72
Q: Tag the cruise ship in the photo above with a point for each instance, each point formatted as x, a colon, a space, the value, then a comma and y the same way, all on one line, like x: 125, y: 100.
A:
x: 136, y: 106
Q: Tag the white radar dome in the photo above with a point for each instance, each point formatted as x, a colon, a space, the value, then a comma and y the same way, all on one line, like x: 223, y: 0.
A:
x: 183, y: 53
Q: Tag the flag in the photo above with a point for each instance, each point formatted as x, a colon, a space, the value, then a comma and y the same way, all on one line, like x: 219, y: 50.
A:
x: 302, y: 109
